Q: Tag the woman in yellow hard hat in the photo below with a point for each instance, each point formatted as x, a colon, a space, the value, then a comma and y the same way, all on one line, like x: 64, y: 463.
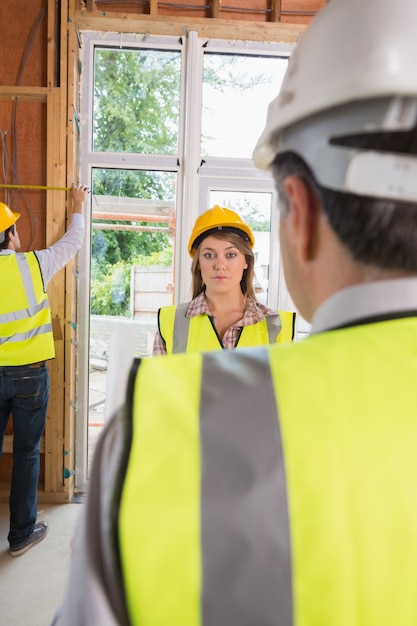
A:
x: 224, y: 312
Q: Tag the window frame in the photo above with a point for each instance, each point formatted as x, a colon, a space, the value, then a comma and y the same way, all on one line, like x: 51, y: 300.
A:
x: 194, y: 178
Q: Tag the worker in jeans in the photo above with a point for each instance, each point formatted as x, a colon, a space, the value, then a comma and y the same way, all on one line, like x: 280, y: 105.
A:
x: 26, y: 344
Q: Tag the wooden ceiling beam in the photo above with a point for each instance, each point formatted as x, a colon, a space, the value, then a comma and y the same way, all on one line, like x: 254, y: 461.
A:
x: 164, y: 25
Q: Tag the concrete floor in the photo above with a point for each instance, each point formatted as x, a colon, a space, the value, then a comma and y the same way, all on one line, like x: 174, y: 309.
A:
x: 33, y: 585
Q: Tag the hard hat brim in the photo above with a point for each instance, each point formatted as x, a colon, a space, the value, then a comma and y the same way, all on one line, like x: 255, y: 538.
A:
x: 217, y: 230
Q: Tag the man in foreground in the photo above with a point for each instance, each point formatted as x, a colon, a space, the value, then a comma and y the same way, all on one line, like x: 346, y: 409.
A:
x: 276, y: 486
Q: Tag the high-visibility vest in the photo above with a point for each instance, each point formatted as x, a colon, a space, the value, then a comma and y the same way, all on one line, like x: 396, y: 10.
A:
x: 189, y: 334
x: 25, y: 316
x: 274, y: 486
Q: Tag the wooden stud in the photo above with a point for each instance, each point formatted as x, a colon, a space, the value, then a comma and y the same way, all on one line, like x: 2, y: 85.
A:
x: 25, y: 94
x: 51, y: 45
x: 56, y: 158
x: 276, y: 7
x: 8, y: 445
x: 55, y: 228
x: 215, y: 8
x: 69, y: 58
x: 153, y: 7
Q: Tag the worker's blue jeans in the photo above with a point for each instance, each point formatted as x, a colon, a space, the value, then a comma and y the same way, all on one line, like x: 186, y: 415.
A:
x: 24, y: 392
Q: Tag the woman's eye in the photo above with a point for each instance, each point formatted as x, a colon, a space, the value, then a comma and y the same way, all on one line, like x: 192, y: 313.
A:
x: 208, y: 255
x: 231, y: 255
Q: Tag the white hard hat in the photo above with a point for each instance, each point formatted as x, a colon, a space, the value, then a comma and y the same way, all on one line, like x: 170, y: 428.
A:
x: 353, y: 72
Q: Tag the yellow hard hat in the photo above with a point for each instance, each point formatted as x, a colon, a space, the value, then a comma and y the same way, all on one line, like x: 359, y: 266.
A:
x: 218, y: 219
x: 7, y: 217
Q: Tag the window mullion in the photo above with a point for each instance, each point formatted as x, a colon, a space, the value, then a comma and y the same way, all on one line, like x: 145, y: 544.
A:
x: 192, y: 101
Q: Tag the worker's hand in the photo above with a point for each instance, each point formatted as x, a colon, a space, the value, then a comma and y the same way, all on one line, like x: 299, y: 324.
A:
x: 79, y: 193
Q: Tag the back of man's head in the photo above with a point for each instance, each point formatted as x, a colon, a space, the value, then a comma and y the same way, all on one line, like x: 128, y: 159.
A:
x: 345, y: 121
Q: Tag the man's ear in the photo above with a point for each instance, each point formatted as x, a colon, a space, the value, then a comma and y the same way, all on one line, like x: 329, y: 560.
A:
x: 302, y: 217
x: 11, y: 236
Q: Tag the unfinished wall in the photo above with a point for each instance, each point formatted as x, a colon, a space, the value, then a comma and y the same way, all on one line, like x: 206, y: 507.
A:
x: 34, y: 130
x: 295, y: 11
x: 39, y: 46
x: 23, y: 124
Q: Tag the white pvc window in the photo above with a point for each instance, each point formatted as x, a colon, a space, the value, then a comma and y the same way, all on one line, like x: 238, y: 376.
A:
x: 167, y: 129
x: 136, y: 100
x: 236, y: 89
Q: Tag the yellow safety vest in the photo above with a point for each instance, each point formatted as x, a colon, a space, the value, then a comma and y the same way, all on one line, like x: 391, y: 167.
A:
x: 25, y: 317
x: 189, y: 334
x: 275, y: 485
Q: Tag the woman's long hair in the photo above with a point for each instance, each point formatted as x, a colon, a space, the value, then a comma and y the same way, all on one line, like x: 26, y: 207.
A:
x: 246, y: 284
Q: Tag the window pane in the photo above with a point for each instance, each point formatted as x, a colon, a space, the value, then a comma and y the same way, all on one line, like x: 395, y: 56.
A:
x: 236, y: 92
x: 136, y: 101
x: 255, y: 209
x: 132, y: 251
x: 133, y: 225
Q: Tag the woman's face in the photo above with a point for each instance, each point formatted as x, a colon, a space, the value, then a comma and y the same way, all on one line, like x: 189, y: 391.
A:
x: 221, y: 265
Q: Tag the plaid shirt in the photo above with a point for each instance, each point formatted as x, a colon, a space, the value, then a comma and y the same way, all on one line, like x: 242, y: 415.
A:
x: 255, y: 312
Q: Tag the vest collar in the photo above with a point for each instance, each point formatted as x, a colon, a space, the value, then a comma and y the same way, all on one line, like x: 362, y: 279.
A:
x: 383, y: 299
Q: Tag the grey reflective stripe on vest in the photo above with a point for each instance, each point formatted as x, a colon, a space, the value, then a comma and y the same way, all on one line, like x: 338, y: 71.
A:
x: 34, y: 332
x: 14, y: 316
x: 181, y: 326
x: 244, y: 500
x: 27, y: 281
x: 273, y: 323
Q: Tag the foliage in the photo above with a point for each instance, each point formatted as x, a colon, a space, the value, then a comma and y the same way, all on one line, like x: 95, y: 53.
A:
x: 230, y: 71
x: 110, y: 283
x: 136, y: 109
x: 136, y: 101
x: 110, y: 290
x: 162, y: 258
x: 252, y: 215
x: 110, y: 247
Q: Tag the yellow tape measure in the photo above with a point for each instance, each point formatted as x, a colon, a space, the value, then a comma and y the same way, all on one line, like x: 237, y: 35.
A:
x: 35, y: 187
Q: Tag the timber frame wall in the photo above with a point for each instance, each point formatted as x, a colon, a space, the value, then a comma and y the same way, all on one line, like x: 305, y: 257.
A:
x: 45, y: 134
